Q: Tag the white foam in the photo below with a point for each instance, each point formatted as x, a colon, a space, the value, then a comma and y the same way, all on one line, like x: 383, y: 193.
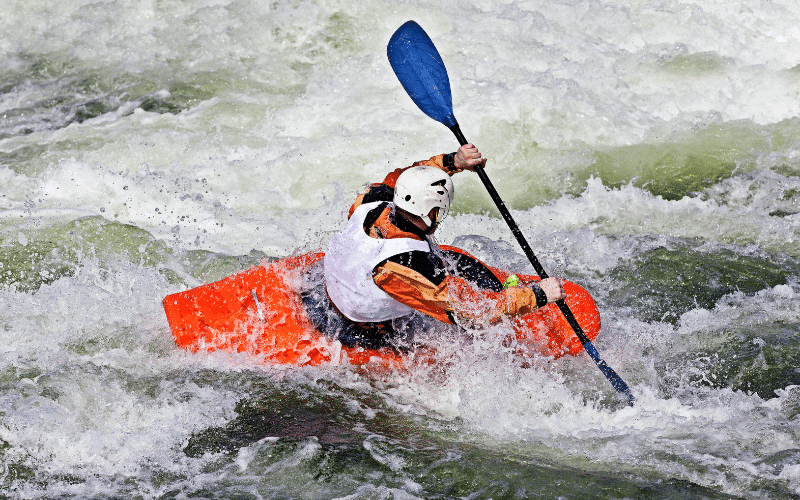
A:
x: 291, y: 108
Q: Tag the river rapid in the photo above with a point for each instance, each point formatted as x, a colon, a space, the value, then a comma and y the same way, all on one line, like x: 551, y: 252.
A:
x: 648, y: 149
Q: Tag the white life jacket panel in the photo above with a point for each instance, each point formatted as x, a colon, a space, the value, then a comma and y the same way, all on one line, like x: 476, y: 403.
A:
x: 349, y: 261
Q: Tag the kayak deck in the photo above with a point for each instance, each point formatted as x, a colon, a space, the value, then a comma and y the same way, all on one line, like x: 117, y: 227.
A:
x: 259, y: 312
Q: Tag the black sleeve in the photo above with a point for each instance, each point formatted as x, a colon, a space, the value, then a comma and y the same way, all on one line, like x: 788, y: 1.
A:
x: 472, y: 270
x: 435, y: 270
x: 425, y: 263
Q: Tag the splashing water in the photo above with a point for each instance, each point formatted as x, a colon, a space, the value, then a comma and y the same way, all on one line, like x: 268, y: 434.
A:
x: 649, y: 151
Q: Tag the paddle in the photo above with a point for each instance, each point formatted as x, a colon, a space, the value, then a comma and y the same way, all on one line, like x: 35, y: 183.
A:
x: 421, y: 71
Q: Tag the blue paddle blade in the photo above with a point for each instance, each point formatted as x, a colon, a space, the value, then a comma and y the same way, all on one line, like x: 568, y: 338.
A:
x: 421, y: 71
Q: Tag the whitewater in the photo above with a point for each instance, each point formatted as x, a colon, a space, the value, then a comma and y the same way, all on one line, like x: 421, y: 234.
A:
x: 648, y: 149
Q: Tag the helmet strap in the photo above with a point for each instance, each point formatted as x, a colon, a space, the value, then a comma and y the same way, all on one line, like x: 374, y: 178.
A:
x: 410, y: 223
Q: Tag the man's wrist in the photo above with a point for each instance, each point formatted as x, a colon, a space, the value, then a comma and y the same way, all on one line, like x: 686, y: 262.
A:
x: 541, y: 296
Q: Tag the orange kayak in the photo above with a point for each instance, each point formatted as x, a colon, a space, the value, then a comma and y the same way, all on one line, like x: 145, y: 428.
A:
x: 258, y: 312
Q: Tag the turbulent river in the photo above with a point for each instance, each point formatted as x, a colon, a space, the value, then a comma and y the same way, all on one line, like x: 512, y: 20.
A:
x: 648, y: 149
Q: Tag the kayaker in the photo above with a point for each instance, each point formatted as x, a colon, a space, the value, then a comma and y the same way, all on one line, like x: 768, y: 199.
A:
x: 385, y: 265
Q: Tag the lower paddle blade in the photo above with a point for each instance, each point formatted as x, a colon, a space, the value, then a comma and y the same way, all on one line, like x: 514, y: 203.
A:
x: 421, y: 71
x: 616, y: 381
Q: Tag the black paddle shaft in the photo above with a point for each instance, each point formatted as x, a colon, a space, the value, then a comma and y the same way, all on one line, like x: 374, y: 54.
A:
x: 501, y: 206
x: 421, y: 71
x: 616, y: 381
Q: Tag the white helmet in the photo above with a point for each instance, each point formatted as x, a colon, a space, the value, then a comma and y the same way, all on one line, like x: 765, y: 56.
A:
x: 419, y: 190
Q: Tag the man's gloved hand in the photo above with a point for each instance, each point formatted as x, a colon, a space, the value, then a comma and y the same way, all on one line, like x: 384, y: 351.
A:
x: 553, y: 289
x: 468, y: 157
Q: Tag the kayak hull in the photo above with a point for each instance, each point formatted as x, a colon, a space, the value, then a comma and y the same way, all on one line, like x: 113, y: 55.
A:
x: 258, y: 312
